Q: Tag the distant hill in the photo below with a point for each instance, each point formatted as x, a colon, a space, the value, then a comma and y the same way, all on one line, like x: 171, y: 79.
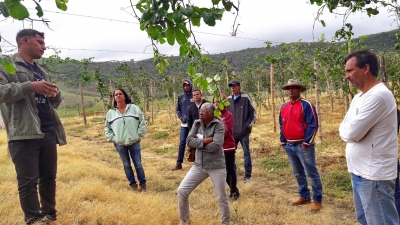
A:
x: 238, y: 60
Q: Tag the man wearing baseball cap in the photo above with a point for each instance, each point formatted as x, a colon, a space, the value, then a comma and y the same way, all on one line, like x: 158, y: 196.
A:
x: 299, y: 123
x: 244, y: 116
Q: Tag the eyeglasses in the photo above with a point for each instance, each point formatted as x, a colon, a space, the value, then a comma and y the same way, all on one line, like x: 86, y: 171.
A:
x: 203, y: 110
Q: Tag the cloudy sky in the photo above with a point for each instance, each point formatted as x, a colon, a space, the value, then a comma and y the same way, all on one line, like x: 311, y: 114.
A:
x: 108, y: 25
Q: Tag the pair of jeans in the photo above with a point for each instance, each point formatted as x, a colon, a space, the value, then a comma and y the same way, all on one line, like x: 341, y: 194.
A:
x: 397, y: 190
x: 134, y: 151
x: 231, y: 178
x: 182, y: 144
x: 35, y: 163
x: 245, y: 142
x: 303, y: 164
x: 193, y: 178
x: 374, y: 201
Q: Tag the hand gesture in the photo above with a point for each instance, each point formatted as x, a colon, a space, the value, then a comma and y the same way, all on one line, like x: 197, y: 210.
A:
x: 47, y: 89
x: 208, y: 140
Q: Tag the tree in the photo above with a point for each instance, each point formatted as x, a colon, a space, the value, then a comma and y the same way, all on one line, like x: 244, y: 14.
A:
x: 16, y: 10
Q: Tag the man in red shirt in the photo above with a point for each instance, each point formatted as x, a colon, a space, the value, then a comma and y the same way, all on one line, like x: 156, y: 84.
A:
x: 299, y: 123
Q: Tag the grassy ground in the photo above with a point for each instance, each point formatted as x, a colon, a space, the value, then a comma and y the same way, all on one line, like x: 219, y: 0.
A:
x: 92, y: 187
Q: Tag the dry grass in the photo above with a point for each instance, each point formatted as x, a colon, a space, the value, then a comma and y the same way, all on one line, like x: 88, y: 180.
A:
x: 92, y: 187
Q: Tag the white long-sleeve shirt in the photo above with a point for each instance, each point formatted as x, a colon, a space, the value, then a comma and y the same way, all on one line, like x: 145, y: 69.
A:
x: 370, y: 131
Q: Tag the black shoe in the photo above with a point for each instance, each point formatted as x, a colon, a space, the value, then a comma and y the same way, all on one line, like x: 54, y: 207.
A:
x: 234, y: 195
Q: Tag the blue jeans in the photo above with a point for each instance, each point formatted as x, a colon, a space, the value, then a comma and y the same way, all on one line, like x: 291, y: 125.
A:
x: 244, y: 141
x: 182, y: 143
x: 397, y: 190
x: 303, y: 162
x: 134, y: 151
x: 374, y: 201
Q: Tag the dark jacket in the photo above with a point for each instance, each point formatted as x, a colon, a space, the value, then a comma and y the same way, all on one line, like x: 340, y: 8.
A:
x: 211, y: 155
x: 18, y: 104
x: 244, y: 114
x: 184, y: 101
x: 193, y: 113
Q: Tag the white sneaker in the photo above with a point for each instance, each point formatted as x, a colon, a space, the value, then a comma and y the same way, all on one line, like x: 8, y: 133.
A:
x: 247, y: 179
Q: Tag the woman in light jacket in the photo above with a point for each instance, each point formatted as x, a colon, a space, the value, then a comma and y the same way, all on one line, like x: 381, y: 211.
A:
x: 124, y: 126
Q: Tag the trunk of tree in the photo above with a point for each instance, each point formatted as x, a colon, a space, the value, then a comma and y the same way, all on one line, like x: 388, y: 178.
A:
x: 317, y: 101
x: 169, y: 110
x: 273, y: 97
x: 267, y: 92
x: 83, y: 104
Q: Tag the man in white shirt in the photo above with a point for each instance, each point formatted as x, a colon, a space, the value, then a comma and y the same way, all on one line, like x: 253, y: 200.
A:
x: 370, y: 131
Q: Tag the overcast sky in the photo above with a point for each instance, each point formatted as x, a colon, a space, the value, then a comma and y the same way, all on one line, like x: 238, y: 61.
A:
x: 262, y: 20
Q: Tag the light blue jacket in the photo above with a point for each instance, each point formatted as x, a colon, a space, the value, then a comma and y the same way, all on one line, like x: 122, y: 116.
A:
x: 127, y: 128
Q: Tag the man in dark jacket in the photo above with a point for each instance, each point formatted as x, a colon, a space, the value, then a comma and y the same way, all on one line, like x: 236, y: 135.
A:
x: 193, y: 110
x: 185, y: 99
x: 244, y: 116
x: 27, y: 102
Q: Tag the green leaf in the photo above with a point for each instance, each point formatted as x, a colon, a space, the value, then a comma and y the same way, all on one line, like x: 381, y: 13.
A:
x: 170, y: 34
x: 208, y: 18
x: 226, y: 103
x: 191, y: 70
x: 18, y: 11
x: 61, y: 5
x: 209, y: 80
x: 188, y: 11
x: 164, y: 62
x: 165, y: 6
x: 215, y: 2
x: 183, y: 50
x: 4, y: 10
x: 147, y: 15
x: 323, y: 23
x: 177, y: 16
x: 204, y: 85
x: 221, y: 106
x: 180, y: 37
x: 8, y: 65
x: 217, y: 113
x: 184, y: 30
x: 227, y: 4
x: 142, y: 26
x: 39, y: 10
x: 217, y: 77
x: 162, y: 40
x: 217, y: 13
x: 196, y: 21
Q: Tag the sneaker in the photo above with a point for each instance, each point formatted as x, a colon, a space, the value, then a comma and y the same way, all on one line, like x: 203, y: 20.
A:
x: 184, y: 222
x: 247, y: 179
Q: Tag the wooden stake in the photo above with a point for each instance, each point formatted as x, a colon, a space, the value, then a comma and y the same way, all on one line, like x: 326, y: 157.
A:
x: 328, y: 82
x: 350, y: 85
x: 111, y: 93
x: 173, y: 80
x: 77, y: 102
x: 317, y: 101
x: 169, y: 110
x: 259, y: 97
x: 384, y: 78
x: 83, y: 104
x: 152, y: 99
x: 273, y: 97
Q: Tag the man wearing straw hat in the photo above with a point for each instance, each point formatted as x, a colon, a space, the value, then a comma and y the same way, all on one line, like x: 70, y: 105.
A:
x: 299, y: 123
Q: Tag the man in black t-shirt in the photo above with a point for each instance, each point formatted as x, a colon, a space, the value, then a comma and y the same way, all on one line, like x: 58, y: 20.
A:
x: 33, y: 128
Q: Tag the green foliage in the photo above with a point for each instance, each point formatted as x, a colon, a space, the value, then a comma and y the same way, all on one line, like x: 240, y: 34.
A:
x: 7, y: 64
x: 161, y: 135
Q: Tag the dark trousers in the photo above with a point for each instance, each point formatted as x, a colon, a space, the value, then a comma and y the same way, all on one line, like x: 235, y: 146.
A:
x: 35, y: 162
x: 231, y: 179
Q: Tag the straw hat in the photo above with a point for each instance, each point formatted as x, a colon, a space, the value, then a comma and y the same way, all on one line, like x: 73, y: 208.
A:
x: 294, y: 83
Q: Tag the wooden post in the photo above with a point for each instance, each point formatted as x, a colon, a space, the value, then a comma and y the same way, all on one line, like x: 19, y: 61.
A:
x: 273, y: 97
x: 144, y: 98
x: 65, y: 111
x: 169, y: 110
x: 173, y: 80
x: 77, y: 102
x: 259, y: 96
x: 350, y: 85
x: 152, y: 100
x: 328, y: 82
x: 83, y: 104
x: 111, y: 93
x: 317, y: 101
x: 384, y: 79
